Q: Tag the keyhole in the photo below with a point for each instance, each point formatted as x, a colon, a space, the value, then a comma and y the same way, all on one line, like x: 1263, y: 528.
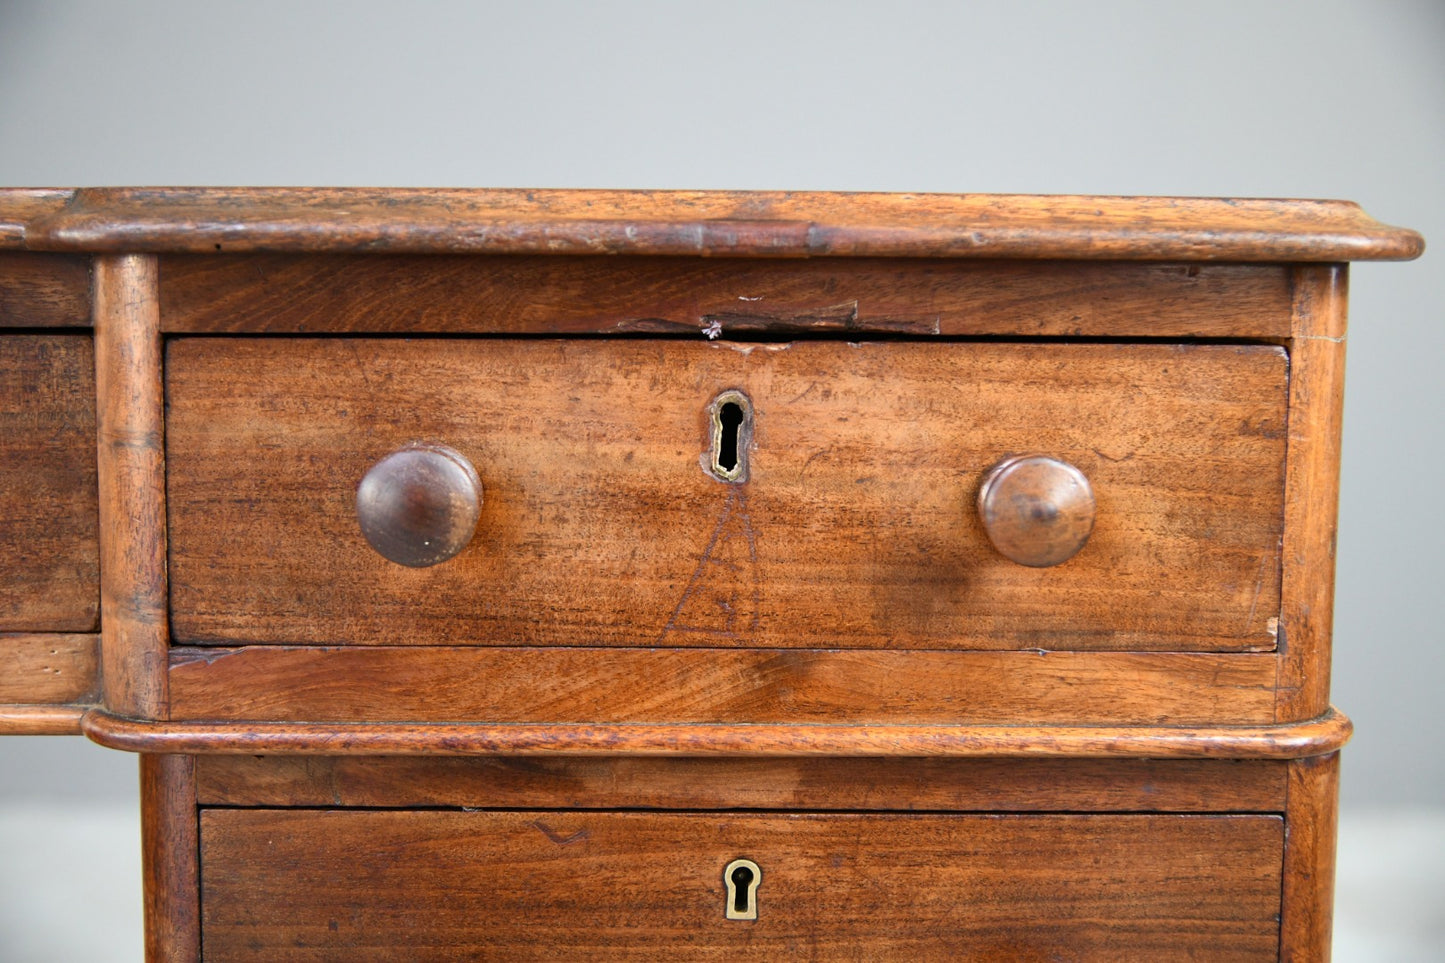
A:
x: 731, y: 417
x: 742, y: 880
x: 731, y: 414
x: 742, y: 877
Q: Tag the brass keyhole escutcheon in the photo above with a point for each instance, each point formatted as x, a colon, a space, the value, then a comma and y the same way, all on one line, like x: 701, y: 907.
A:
x: 730, y: 418
x: 741, y: 877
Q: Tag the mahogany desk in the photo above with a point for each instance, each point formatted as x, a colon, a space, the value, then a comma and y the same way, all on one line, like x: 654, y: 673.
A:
x: 565, y: 574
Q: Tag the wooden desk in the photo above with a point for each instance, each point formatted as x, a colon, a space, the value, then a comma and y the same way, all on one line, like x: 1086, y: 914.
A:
x: 558, y: 574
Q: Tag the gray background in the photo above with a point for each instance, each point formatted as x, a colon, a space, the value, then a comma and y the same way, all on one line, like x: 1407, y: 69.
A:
x: 1299, y: 99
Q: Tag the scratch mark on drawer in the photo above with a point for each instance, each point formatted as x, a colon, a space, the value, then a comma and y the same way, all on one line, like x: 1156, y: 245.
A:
x: 556, y: 837
x: 722, y: 598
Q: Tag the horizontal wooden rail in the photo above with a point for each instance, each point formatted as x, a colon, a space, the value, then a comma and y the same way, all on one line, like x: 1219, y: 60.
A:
x: 41, y: 720
x: 1315, y: 737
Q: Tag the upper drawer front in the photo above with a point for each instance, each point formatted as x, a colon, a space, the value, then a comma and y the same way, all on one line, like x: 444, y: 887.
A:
x: 50, y: 580
x: 856, y: 526
x: 307, y: 885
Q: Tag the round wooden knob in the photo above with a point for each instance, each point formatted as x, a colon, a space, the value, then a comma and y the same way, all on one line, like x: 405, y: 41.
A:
x: 1038, y: 511
x: 418, y: 506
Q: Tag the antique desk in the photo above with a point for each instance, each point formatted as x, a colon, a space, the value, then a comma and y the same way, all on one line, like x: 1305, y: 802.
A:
x: 556, y: 574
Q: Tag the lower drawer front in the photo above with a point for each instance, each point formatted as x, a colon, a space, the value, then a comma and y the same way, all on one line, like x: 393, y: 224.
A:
x: 349, y: 885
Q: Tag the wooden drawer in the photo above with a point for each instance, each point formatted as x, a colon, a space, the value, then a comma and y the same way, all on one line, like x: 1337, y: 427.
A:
x: 816, y: 647
x: 48, y: 540
x: 855, y: 529
x: 434, y: 885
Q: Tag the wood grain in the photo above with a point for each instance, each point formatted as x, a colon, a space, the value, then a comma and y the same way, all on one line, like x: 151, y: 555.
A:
x: 919, y: 784
x: 49, y: 668
x: 42, y: 720
x: 1309, y: 859
x: 736, y: 297
x: 1323, y: 735
x: 19, y: 206
x: 1037, y: 511
x: 131, y: 449
x: 773, y: 224
x: 418, y: 506
x: 44, y: 290
x: 1307, y: 601
x: 281, y: 885
x: 169, y: 863
x: 48, y: 526
x: 704, y: 686
x: 856, y: 527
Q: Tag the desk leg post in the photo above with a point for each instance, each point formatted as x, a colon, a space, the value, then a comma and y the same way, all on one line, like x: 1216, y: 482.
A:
x: 1311, y: 808
x: 170, y: 860
x: 1312, y: 488
x: 130, y: 419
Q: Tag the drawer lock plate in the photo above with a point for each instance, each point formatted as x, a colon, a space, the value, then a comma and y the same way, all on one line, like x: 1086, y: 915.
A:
x: 741, y: 877
x: 731, y: 418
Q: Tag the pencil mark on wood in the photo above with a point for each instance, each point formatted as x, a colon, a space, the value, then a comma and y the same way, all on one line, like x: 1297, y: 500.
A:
x: 722, y: 597
x: 557, y: 837
x: 1264, y: 559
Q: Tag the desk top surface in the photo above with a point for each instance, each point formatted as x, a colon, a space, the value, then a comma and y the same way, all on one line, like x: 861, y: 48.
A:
x: 697, y: 223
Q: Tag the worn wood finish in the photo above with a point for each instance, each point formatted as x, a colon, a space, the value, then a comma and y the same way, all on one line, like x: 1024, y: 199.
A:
x: 917, y: 784
x: 519, y: 294
x: 644, y: 667
x: 772, y: 224
x: 48, y: 536
x: 169, y: 848
x: 1322, y: 735
x: 50, y: 668
x: 600, y: 527
x: 1316, y: 390
x: 44, y: 290
x: 418, y: 506
x: 1312, y: 815
x: 131, y: 432
x: 282, y: 885
x: 42, y: 720
x: 648, y: 685
x: 1037, y: 511
x: 19, y: 206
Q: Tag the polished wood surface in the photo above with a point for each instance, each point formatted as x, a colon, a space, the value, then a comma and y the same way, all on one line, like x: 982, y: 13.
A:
x: 130, y: 429
x: 600, y: 527
x: 705, y: 686
x: 1317, y: 736
x: 44, y: 290
x: 1312, y: 811
x: 1038, y: 511
x: 1307, y: 603
x: 685, y: 635
x: 48, y: 528
x: 774, y: 224
x: 989, y: 784
x: 305, y: 885
x: 170, y: 859
x: 19, y: 206
x: 732, y: 297
x: 42, y: 720
x: 418, y: 506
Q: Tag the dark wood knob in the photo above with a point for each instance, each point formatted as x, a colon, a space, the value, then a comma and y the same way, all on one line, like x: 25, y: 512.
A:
x: 418, y: 506
x: 1038, y: 511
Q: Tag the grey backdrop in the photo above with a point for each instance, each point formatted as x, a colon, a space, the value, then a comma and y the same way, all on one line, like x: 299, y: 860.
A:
x: 1299, y: 99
